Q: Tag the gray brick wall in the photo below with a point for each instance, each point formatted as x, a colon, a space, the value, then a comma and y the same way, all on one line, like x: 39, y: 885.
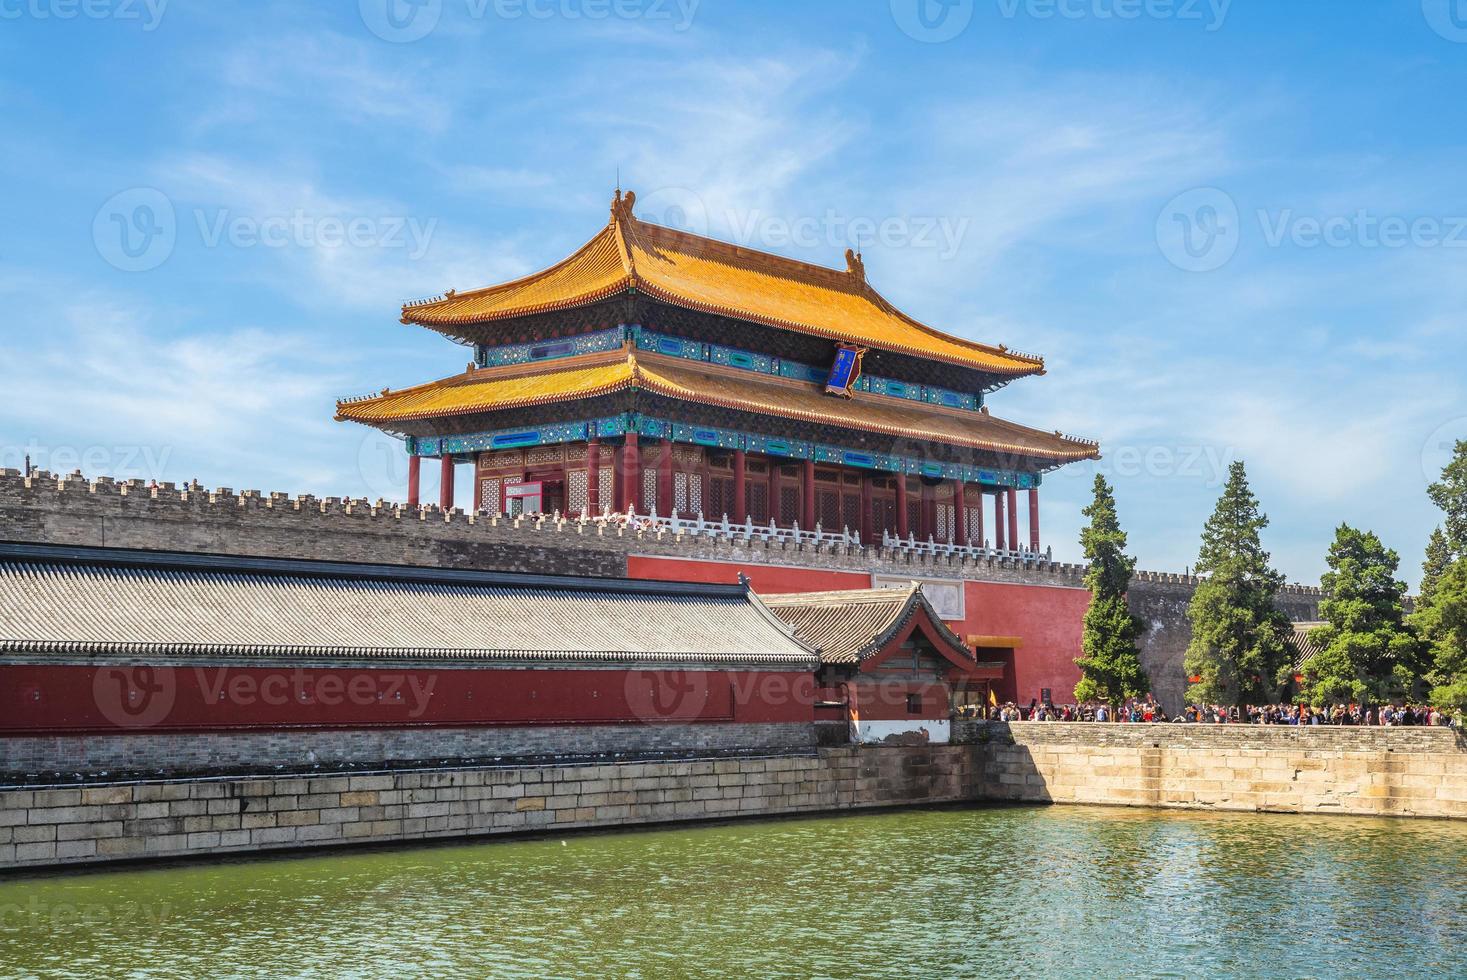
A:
x: 189, y: 753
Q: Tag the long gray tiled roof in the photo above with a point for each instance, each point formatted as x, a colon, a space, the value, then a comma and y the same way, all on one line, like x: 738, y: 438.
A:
x: 65, y: 603
x: 848, y: 627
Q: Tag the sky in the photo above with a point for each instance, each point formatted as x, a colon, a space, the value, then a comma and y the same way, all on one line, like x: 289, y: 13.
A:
x: 1236, y: 229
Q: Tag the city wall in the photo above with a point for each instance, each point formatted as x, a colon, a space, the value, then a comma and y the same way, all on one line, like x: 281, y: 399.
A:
x: 1034, y: 598
x: 1375, y: 772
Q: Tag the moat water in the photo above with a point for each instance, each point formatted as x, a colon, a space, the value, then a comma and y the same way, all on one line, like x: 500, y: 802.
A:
x: 1034, y: 892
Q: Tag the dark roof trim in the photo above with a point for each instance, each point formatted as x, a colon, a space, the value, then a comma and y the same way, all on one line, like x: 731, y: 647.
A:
x: 187, y: 561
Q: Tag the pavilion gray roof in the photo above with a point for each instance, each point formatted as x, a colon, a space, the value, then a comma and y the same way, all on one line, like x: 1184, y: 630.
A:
x: 65, y: 603
x: 849, y: 627
x: 1304, y: 646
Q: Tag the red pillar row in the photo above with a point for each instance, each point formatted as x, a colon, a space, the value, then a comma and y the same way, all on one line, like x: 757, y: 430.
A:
x: 415, y: 473
x: 868, y: 527
x: 960, y: 515
x: 999, y: 524
x: 807, y: 491
x: 631, y: 473
x: 977, y: 530
x: 666, y: 506
x: 1034, y: 519
x: 445, y: 483
x: 593, y: 476
x: 775, y: 514
x: 903, y: 530
x: 1013, y: 496
x: 740, y: 488
x: 928, y: 512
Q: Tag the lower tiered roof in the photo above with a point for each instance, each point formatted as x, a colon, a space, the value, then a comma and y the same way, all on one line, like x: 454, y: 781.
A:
x: 489, y: 390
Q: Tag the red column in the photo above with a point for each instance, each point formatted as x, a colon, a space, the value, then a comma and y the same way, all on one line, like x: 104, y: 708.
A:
x: 1013, y: 496
x: 868, y: 526
x: 445, y: 483
x: 666, y: 505
x: 977, y: 529
x: 960, y: 518
x: 1000, y: 526
x: 928, y: 512
x: 903, y: 528
x: 1034, y: 519
x: 593, y: 477
x: 775, y: 513
x: 807, y: 491
x: 631, y: 473
x: 741, y: 489
x: 415, y: 471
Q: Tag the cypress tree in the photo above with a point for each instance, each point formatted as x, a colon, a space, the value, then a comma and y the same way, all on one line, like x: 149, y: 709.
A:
x: 1239, y: 647
x: 1110, y: 668
x: 1366, y: 652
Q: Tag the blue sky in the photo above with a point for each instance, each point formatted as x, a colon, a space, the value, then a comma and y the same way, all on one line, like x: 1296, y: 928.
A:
x: 1235, y: 230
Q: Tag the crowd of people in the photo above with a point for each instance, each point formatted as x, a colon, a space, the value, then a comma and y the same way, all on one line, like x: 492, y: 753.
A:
x: 1148, y: 711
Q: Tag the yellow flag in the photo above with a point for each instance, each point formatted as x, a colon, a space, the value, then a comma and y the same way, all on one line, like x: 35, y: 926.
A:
x: 992, y: 698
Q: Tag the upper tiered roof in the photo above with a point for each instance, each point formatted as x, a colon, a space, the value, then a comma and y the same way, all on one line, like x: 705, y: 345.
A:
x: 691, y: 271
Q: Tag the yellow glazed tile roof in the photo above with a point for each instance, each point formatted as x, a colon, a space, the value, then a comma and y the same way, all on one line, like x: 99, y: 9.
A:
x: 491, y: 390
x: 496, y: 389
x: 720, y: 278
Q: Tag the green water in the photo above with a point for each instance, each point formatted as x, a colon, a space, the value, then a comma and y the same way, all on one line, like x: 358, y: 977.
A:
x: 1042, y: 892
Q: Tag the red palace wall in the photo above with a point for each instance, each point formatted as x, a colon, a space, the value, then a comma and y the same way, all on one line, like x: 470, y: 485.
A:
x: 1046, y: 618
x: 93, y: 700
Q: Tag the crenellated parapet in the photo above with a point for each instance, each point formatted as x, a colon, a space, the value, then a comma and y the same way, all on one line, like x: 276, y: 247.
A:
x: 103, y: 512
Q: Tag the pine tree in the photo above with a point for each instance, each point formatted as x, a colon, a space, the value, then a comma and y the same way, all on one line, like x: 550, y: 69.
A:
x: 1438, y: 560
x: 1440, y: 619
x: 1450, y: 494
x: 1110, y: 668
x: 1366, y: 652
x: 1239, y: 637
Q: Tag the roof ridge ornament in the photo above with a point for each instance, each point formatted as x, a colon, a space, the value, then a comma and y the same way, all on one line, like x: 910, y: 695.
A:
x: 622, y: 205
x: 855, y: 265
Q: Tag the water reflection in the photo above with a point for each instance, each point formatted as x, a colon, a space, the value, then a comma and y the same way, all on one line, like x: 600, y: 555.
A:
x: 1059, y: 891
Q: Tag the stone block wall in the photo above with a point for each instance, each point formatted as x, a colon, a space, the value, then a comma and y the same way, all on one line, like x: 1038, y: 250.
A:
x: 79, y: 825
x: 1365, y: 771
x: 33, y: 759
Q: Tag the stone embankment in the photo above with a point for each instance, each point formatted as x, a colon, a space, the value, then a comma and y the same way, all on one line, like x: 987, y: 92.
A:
x: 1409, y: 772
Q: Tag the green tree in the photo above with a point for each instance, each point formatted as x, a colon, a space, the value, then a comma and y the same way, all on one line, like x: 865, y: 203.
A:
x: 1366, y: 652
x: 1438, y: 560
x: 1239, y: 638
x: 1450, y: 494
x: 1442, y: 625
x: 1110, y: 668
x: 1440, y: 619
